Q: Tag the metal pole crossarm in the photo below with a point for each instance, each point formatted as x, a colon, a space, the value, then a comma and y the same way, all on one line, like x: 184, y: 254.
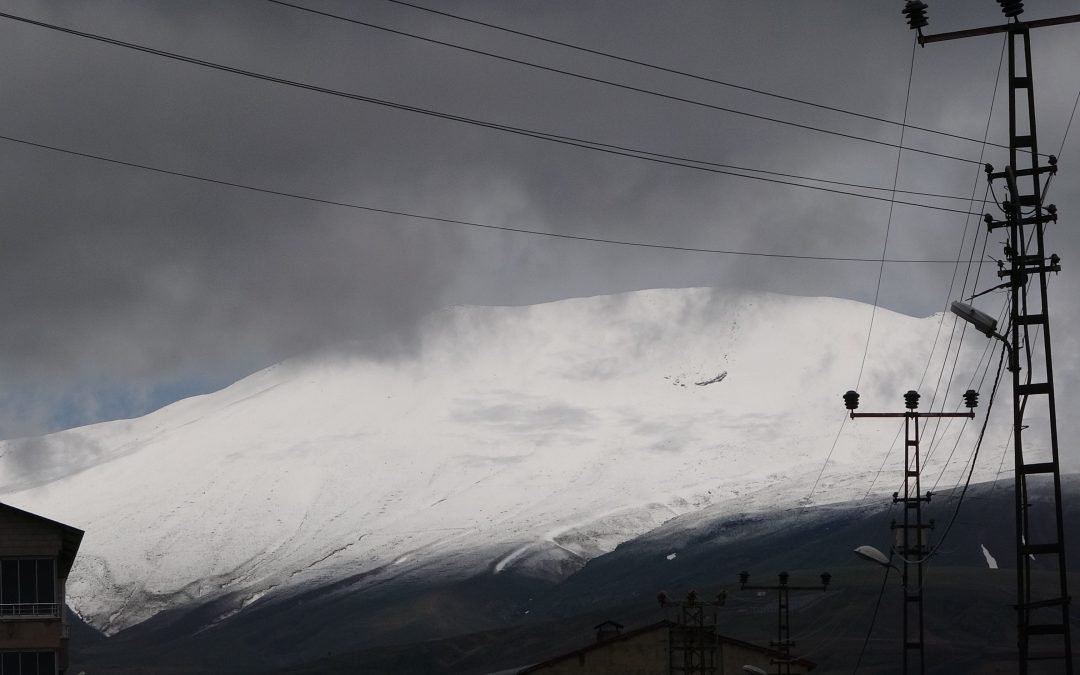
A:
x: 783, y: 642
x: 1024, y: 271
x: 1050, y: 168
x: 914, y: 413
x: 991, y: 30
x: 1050, y: 217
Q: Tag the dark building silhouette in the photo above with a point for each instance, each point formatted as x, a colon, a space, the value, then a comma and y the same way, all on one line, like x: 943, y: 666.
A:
x: 36, y: 555
x: 657, y: 649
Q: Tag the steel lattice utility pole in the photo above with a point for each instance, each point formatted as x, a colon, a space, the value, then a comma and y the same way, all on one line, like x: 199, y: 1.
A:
x: 693, y: 640
x: 783, y: 641
x: 1042, y: 604
x: 910, y: 538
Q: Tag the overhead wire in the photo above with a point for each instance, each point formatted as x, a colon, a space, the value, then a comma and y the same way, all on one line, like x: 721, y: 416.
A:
x: 974, y: 457
x: 682, y: 73
x: 974, y: 454
x: 967, y: 274
x: 933, y: 440
x: 607, y: 148
x: 985, y: 369
x: 619, y: 85
x: 900, y: 429
x: 1001, y: 464
x: 971, y: 382
x: 453, y: 221
x: 1068, y: 126
x: 948, y: 295
x: 881, y: 272
x: 888, y: 222
x: 1061, y: 149
x: 952, y: 280
x: 734, y: 167
x: 873, y: 620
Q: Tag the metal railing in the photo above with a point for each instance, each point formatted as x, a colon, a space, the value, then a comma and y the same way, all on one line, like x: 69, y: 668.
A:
x: 30, y: 610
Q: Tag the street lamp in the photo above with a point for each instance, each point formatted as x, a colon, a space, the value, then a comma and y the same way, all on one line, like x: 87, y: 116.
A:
x: 875, y: 556
x: 985, y: 324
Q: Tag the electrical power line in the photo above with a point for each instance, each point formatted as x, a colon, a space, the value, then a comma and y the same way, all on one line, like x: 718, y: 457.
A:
x: 975, y: 452
x: 1004, y: 308
x: 873, y: 620
x: 952, y: 283
x: 554, y: 138
x: 1069, y: 125
x: 881, y: 273
x: 674, y: 71
x: 455, y: 221
x: 929, y: 360
x: 974, y: 455
x: 888, y: 222
x: 618, y: 85
x: 681, y: 158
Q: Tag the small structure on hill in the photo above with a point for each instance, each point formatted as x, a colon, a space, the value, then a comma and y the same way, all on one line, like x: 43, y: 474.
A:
x: 36, y: 555
x: 659, y: 649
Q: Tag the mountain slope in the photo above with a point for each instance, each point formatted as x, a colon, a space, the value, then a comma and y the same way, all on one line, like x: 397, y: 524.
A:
x: 526, y: 438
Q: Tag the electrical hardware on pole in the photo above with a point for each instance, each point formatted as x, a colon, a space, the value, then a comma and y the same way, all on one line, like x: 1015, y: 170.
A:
x: 911, y: 537
x: 1042, y: 605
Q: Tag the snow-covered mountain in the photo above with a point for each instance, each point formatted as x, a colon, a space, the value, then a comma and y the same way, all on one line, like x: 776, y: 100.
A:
x: 525, y: 438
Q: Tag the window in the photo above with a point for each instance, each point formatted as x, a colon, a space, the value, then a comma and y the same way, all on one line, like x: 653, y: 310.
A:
x: 27, y: 663
x: 28, y: 587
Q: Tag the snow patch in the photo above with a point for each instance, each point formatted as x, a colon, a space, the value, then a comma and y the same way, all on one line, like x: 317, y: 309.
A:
x: 538, y: 436
x: 991, y: 562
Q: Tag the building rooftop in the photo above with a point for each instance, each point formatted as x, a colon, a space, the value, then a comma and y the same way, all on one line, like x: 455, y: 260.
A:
x: 70, y: 537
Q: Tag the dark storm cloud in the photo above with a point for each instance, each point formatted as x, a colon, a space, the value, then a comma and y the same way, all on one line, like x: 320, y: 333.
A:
x: 115, y: 278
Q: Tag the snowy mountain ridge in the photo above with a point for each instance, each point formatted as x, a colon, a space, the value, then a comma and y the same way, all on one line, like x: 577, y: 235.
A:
x: 515, y: 438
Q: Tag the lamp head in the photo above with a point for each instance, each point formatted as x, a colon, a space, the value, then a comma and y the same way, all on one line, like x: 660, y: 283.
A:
x: 983, y: 322
x: 872, y: 554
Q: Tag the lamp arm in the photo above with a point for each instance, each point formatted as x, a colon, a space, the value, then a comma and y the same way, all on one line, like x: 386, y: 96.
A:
x: 1013, y: 364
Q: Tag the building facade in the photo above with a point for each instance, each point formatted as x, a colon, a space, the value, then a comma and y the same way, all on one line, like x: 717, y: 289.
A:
x: 36, y: 555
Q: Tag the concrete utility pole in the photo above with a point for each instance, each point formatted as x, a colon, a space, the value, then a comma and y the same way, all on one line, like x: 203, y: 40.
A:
x: 1042, y: 604
x: 783, y: 641
x: 910, y: 538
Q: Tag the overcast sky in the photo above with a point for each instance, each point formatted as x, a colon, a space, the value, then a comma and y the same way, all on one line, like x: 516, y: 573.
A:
x: 122, y: 289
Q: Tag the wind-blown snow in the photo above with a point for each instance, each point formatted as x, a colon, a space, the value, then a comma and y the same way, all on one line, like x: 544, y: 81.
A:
x: 991, y: 561
x: 523, y: 438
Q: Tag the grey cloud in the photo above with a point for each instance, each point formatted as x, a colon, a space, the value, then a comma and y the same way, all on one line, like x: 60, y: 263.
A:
x: 114, y: 276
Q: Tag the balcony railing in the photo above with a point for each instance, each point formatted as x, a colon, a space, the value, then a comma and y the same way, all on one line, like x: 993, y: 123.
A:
x: 27, y: 610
